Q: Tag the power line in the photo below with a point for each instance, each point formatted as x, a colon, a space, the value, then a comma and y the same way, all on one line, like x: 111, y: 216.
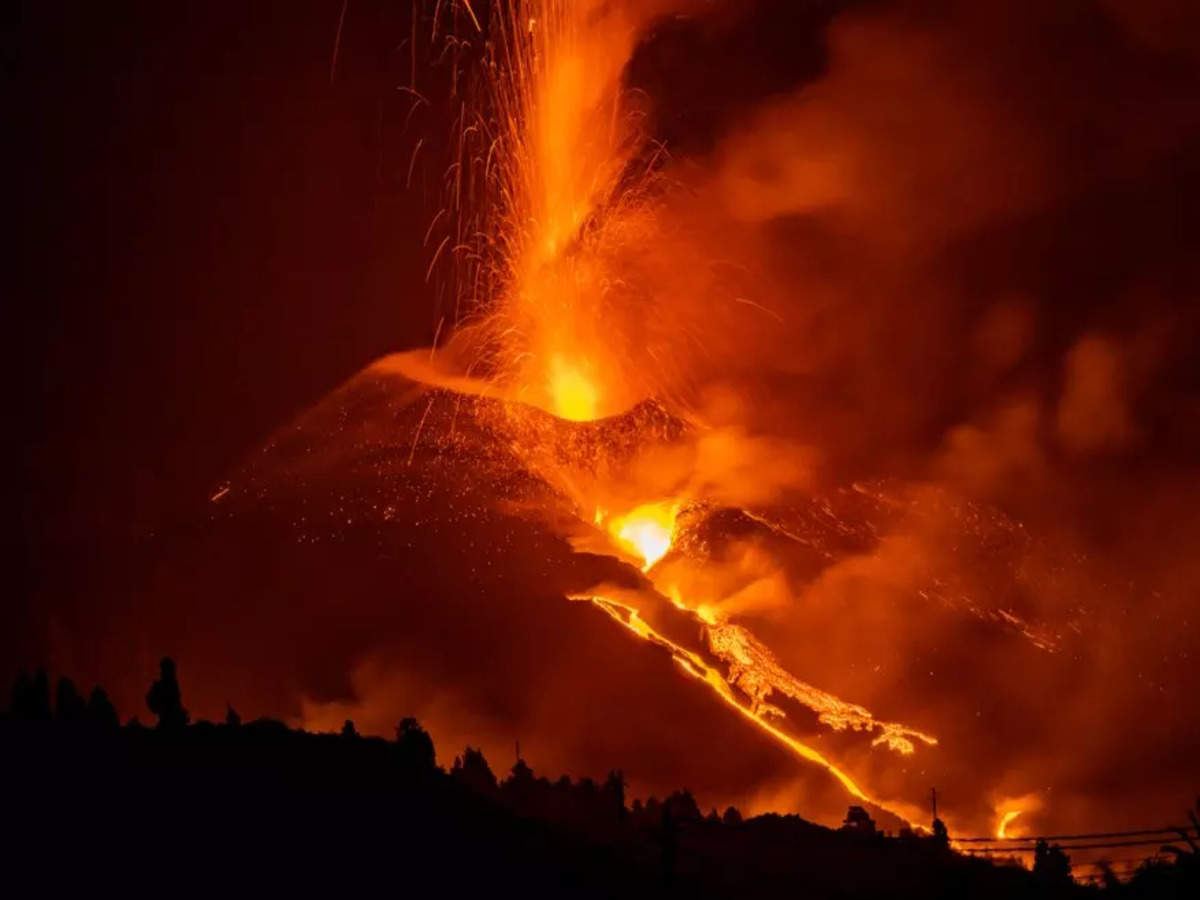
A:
x: 1100, y: 846
x: 1076, y: 837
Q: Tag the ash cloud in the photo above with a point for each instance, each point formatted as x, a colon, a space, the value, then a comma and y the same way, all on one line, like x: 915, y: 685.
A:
x: 973, y: 226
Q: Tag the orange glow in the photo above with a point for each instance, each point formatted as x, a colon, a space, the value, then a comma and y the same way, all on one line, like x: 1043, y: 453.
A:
x: 647, y: 531
x: 692, y: 664
x: 574, y: 395
x: 1005, y: 820
x: 563, y: 323
x: 553, y: 146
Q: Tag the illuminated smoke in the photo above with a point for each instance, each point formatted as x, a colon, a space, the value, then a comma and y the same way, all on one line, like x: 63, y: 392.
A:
x: 556, y: 284
x: 873, y: 417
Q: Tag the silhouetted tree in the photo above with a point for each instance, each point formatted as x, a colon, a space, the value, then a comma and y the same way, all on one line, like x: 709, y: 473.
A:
x: 69, y: 706
x: 585, y: 799
x: 668, y: 840
x: 1187, y: 861
x: 519, y: 789
x: 232, y: 719
x: 164, y: 699
x: 1051, y: 866
x: 614, y: 793
x: 1193, y: 848
x: 101, y: 711
x: 859, y: 822
x: 732, y: 816
x: 522, y: 774
x: 684, y: 807
x: 941, y: 837
x: 653, y: 810
x: 472, y: 769
x: 1157, y: 878
x: 31, y: 697
x: 17, y: 694
x: 1108, y: 877
x: 348, y: 729
x: 414, y: 746
x: 40, y: 697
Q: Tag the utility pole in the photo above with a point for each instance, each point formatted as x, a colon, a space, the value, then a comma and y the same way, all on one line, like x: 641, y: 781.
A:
x: 933, y: 797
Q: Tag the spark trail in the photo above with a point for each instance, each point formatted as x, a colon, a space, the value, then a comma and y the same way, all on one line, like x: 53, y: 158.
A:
x: 553, y: 195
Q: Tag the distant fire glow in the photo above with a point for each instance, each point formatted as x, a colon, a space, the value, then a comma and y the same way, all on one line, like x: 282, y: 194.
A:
x: 1005, y: 820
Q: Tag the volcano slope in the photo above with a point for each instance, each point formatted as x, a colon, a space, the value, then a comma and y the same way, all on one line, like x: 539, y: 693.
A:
x: 406, y: 550
x: 395, y: 552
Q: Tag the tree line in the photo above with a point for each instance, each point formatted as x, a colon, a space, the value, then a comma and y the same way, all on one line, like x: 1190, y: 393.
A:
x: 560, y: 837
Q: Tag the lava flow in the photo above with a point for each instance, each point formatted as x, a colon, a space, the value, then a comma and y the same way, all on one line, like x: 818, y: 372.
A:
x: 646, y: 530
x: 553, y: 316
x: 713, y: 430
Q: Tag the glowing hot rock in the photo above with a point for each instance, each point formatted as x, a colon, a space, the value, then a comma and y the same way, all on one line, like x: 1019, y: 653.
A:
x: 647, y: 531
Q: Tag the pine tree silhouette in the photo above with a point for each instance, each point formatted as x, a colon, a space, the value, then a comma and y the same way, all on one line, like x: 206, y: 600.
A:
x: 414, y: 746
x: 101, y: 711
x: 164, y: 698
x: 31, y: 697
x: 69, y: 706
x: 1051, y: 866
x: 472, y: 769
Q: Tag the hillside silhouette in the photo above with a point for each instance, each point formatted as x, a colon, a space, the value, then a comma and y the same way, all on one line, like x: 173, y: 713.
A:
x: 175, y: 807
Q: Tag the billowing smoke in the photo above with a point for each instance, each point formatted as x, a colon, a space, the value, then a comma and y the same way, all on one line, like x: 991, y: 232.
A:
x: 969, y: 246
x: 921, y: 284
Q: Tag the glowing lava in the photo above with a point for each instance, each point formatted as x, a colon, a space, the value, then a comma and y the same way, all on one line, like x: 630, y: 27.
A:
x: 574, y: 395
x: 693, y: 665
x: 647, y: 530
x: 1005, y: 821
x: 547, y: 272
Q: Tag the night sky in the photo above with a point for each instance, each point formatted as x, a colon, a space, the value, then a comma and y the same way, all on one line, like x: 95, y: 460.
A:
x: 208, y: 240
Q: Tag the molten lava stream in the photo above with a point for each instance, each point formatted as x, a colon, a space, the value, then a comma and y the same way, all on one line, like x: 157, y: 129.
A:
x: 696, y: 667
x: 646, y: 531
x: 571, y: 204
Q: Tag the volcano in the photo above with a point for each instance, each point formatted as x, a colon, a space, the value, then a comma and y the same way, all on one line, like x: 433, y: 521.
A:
x: 390, y: 553
x: 401, y: 549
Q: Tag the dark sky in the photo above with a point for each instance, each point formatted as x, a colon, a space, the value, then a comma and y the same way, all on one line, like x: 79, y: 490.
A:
x: 201, y: 236
x: 208, y: 238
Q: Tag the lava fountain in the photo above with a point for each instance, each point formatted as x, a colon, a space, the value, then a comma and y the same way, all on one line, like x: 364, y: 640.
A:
x: 555, y: 194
